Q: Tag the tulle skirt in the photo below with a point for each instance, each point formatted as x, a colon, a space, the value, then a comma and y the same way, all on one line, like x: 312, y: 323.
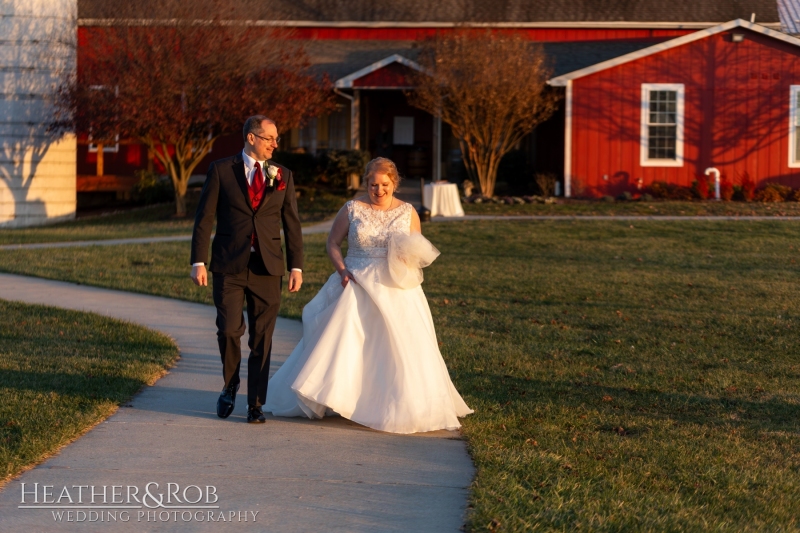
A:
x: 369, y: 353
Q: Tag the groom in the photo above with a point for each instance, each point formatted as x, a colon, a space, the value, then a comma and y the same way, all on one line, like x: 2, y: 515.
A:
x: 250, y: 198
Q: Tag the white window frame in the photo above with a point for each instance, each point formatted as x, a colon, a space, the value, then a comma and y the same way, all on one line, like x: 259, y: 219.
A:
x: 680, y: 91
x: 794, y: 156
x: 106, y: 148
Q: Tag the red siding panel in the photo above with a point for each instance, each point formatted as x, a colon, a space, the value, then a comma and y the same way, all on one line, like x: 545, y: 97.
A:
x: 392, y: 75
x: 415, y: 34
x: 736, y: 114
x: 534, y: 34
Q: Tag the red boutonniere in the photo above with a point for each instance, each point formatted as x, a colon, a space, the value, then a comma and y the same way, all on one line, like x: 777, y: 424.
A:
x: 281, y: 183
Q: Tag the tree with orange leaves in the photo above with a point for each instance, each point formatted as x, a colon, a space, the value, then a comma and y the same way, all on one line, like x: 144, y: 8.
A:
x: 491, y: 88
x: 177, y: 86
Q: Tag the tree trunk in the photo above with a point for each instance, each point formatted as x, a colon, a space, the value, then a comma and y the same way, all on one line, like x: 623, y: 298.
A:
x: 485, y: 163
x: 180, y: 166
x: 468, y: 163
x: 180, y: 204
x: 491, y: 170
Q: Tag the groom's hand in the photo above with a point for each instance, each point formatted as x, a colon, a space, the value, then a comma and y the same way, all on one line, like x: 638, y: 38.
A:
x: 199, y: 275
x: 295, y: 280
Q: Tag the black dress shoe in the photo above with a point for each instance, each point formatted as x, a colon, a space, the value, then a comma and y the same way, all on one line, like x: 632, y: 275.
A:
x: 227, y: 400
x: 255, y: 415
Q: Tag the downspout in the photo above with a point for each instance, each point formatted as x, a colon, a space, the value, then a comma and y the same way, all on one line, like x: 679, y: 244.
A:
x: 713, y: 170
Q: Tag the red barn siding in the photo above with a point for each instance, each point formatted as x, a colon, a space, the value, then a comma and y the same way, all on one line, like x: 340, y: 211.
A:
x: 416, y: 34
x: 534, y: 34
x: 392, y: 75
x: 736, y: 114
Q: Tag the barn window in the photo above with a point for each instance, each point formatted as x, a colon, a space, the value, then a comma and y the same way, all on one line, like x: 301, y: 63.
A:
x: 114, y: 148
x: 794, y: 126
x: 662, y: 125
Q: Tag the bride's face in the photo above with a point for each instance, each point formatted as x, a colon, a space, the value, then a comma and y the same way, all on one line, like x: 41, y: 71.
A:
x: 380, y: 189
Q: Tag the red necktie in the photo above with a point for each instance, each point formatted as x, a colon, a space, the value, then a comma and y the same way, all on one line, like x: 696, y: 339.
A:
x: 258, y: 180
x: 257, y: 191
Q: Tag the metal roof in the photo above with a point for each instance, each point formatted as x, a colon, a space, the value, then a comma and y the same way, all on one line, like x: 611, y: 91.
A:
x: 442, y: 11
x: 561, y: 81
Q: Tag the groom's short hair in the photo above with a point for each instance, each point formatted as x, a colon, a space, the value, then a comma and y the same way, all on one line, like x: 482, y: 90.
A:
x: 253, y: 125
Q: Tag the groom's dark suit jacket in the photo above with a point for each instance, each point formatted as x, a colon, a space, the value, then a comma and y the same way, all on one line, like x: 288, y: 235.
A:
x: 225, y: 195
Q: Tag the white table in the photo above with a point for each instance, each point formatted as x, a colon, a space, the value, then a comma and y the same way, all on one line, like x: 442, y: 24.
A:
x: 442, y: 199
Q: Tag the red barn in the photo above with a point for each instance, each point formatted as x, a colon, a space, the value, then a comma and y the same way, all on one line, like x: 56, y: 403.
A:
x: 724, y: 97
x: 367, y: 49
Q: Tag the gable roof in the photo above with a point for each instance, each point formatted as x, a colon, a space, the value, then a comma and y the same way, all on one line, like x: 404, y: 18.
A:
x: 561, y: 81
x: 400, y: 12
x: 341, y: 58
x: 347, y: 81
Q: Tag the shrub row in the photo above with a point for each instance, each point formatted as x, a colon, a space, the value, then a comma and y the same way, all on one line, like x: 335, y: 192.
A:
x: 508, y: 200
x: 703, y: 188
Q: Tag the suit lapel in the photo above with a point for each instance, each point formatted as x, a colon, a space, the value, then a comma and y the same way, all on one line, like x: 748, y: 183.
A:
x: 241, y: 179
x: 267, y: 189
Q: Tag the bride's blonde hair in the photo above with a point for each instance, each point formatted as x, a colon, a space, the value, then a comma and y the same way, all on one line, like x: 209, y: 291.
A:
x: 382, y: 165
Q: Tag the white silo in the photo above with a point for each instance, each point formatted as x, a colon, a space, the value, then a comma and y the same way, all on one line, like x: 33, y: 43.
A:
x: 37, y: 170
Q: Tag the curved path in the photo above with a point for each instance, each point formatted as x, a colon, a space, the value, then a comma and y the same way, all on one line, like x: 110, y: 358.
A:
x: 297, y: 475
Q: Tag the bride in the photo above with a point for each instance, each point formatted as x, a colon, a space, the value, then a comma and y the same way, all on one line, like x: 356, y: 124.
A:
x: 369, y: 351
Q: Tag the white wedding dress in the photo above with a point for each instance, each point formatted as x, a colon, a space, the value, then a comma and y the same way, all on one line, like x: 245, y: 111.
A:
x: 369, y: 350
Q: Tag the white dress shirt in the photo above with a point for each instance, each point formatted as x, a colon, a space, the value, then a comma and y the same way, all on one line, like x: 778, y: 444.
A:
x: 250, y: 173
x: 250, y: 168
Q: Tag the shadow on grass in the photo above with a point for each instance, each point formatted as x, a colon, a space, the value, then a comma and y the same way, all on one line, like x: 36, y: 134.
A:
x: 512, y: 393
x: 88, y: 387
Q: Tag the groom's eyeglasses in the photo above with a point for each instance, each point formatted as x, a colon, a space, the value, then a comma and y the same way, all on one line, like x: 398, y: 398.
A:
x: 270, y: 140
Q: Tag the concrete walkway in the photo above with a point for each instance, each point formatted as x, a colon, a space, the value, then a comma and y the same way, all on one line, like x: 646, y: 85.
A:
x: 298, y: 475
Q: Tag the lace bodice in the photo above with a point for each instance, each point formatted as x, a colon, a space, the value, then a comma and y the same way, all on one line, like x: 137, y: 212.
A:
x: 370, y: 229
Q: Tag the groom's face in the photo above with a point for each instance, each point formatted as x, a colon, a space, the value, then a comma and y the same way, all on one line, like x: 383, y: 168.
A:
x: 264, y: 142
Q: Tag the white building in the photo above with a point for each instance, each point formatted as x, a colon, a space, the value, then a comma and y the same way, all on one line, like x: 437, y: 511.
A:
x: 37, y: 170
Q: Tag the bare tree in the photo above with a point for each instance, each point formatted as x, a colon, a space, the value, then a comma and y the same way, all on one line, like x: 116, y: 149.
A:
x: 491, y: 88
x: 177, y: 84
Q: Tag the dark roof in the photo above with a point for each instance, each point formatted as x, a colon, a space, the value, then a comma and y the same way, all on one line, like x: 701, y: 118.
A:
x: 338, y: 59
x: 448, y: 11
x: 571, y: 56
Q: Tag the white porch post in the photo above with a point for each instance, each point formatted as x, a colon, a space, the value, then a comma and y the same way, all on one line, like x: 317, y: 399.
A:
x: 568, y: 142
x: 355, y: 121
x: 437, y: 148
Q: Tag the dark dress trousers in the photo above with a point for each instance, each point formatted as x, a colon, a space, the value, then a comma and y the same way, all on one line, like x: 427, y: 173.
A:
x: 240, y: 276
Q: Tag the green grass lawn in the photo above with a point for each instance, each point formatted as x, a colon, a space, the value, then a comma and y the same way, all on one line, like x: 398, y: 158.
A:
x: 152, y: 221
x: 62, y: 372
x: 160, y: 269
x: 637, y: 208
x: 639, y: 376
